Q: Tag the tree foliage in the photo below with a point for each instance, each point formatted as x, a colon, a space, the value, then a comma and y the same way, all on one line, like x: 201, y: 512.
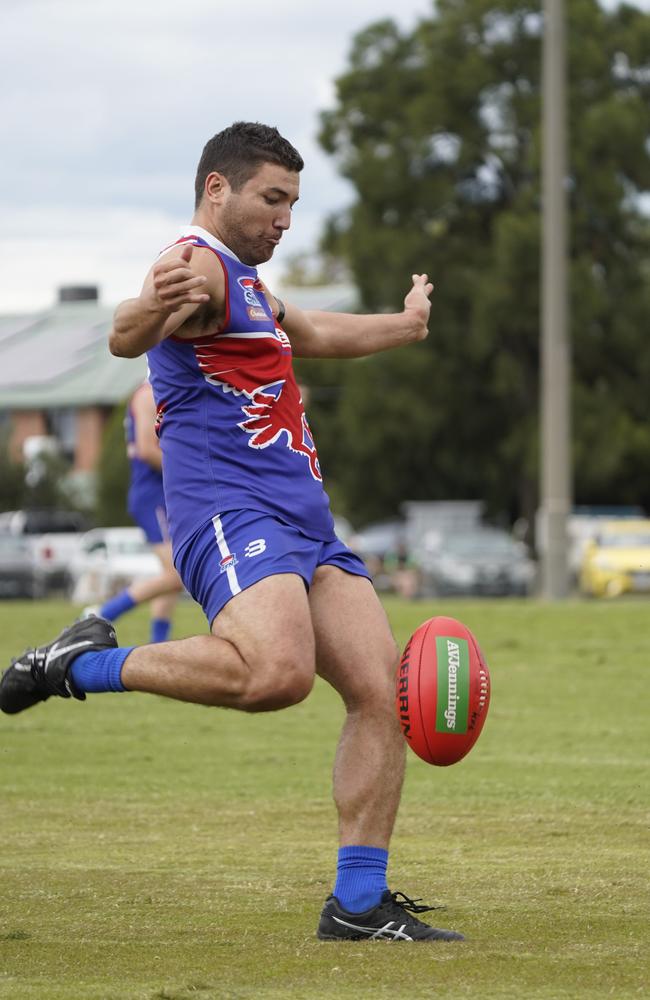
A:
x: 12, y: 476
x: 439, y: 132
x: 113, y: 473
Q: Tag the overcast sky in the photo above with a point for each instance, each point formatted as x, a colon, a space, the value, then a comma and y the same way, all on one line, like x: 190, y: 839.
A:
x: 105, y: 106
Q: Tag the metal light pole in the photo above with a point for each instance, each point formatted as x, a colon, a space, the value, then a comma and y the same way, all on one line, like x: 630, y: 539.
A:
x: 555, y: 356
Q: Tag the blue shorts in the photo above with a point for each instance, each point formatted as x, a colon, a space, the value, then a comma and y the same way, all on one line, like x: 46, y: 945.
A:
x: 152, y: 518
x: 241, y: 547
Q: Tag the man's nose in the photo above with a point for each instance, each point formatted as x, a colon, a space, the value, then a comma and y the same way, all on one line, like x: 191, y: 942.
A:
x: 283, y: 218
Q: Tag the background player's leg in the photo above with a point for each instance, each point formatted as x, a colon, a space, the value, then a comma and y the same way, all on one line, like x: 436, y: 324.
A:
x: 357, y: 655
x: 259, y: 657
x: 167, y: 586
x: 164, y: 603
x: 167, y: 583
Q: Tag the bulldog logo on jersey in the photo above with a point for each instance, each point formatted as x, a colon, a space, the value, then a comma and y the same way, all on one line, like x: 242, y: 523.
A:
x: 254, y: 308
x: 276, y: 410
x: 257, y: 365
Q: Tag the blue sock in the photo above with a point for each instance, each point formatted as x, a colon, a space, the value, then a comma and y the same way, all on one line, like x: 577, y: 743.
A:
x: 100, y: 671
x: 160, y: 629
x: 361, y: 877
x: 116, y: 606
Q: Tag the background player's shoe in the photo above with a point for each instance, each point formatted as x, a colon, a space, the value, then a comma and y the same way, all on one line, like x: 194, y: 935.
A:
x: 44, y: 671
x: 390, y: 920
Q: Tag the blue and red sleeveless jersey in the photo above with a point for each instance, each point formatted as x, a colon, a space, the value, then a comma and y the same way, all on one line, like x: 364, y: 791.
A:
x: 232, y: 426
x: 146, y: 486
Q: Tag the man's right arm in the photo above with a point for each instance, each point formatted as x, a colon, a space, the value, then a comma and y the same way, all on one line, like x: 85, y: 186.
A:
x: 172, y: 292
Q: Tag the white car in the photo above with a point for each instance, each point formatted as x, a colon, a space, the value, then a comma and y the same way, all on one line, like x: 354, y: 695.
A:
x: 107, y: 561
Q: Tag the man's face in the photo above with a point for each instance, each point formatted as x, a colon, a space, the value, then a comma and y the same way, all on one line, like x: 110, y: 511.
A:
x: 252, y: 220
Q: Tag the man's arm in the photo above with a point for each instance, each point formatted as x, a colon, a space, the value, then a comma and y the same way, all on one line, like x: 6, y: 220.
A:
x: 143, y: 408
x: 173, y: 291
x: 346, y: 335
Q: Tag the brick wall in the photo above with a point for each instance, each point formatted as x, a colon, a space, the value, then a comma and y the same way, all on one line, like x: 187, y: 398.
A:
x: 91, y: 421
x: 89, y: 428
x: 24, y: 424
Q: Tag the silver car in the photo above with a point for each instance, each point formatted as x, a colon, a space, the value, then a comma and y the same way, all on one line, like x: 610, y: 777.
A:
x: 20, y: 573
x: 485, y: 561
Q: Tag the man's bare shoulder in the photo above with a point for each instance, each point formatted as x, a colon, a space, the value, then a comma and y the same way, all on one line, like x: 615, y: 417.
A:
x: 207, y: 317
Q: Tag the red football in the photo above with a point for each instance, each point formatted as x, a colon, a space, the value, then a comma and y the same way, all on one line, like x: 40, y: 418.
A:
x: 443, y: 691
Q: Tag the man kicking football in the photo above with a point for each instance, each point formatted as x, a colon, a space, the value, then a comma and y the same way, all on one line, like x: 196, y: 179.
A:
x: 249, y: 519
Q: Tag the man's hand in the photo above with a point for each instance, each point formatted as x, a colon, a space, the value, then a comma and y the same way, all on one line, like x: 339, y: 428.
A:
x: 170, y: 296
x: 417, y: 304
x: 174, y: 284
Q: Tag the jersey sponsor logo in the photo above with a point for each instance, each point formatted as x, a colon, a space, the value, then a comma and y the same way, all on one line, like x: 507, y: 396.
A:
x: 227, y: 562
x: 256, y: 313
x: 255, y: 548
x: 250, y: 287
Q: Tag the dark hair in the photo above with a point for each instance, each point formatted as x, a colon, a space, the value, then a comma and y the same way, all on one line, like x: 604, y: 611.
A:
x: 239, y: 150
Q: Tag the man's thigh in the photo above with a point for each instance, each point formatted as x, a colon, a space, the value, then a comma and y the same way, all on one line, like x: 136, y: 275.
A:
x: 355, y: 649
x: 269, y: 623
x: 163, y: 551
x: 250, y: 572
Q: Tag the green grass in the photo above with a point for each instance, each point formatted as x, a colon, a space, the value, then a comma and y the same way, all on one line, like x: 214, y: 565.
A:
x: 153, y: 850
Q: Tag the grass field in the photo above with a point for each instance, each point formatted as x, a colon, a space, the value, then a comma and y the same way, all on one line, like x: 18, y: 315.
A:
x: 159, y: 851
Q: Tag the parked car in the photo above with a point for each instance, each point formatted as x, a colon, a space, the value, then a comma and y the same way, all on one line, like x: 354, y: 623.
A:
x: 483, y: 561
x: 20, y: 573
x: 583, y: 523
x: 108, y: 560
x: 617, y: 559
x: 53, y: 536
x: 37, y: 521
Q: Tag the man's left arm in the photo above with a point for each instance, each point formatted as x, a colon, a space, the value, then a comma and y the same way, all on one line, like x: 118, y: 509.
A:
x: 147, y: 447
x: 348, y: 335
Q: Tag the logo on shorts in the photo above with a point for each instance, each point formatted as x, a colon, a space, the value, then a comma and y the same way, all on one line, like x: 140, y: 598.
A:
x: 227, y: 562
x: 255, y: 548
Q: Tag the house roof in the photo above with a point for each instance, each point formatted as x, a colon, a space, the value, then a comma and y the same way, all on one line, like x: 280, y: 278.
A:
x: 60, y: 357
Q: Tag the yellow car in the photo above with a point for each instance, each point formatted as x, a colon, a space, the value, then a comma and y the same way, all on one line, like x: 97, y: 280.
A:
x: 617, y: 559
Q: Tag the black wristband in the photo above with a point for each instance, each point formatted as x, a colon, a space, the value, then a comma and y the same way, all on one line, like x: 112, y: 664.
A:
x: 281, y: 309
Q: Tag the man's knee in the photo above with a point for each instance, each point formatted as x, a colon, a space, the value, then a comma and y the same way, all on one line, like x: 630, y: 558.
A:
x: 174, y: 582
x: 281, y: 684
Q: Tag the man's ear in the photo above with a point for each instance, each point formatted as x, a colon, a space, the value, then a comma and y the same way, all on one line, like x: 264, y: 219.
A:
x: 216, y: 186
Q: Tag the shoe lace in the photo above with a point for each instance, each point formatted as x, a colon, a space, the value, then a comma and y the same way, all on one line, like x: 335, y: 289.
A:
x: 35, y: 658
x: 411, y: 905
x: 27, y: 657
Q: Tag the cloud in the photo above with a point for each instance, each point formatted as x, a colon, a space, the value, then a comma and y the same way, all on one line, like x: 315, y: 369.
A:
x: 105, y: 107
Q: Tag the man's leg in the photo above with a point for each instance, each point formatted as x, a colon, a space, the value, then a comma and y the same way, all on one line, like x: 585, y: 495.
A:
x: 164, y: 603
x: 163, y: 588
x: 260, y: 656
x: 357, y: 655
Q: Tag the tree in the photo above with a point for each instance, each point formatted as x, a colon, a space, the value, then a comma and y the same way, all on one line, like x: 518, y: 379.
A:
x: 439, y: 132
x: 12, y: 477
x: 113, y: 473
